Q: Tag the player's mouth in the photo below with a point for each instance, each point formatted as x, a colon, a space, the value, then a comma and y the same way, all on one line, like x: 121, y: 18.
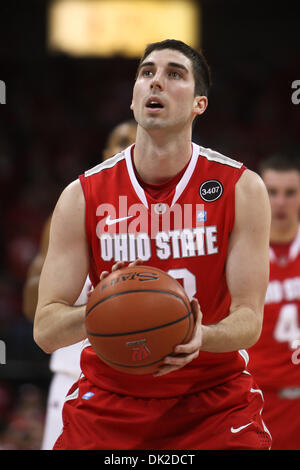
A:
x: 280, y: 216
x: 154, y: 104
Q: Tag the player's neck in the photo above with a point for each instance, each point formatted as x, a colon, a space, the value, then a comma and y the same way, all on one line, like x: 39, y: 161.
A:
x: 283, y: 234
x: 158, y: 158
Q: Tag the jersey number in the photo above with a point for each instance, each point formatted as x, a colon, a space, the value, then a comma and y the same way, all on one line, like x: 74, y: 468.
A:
x: 287, y: 327
x: 188, y: 280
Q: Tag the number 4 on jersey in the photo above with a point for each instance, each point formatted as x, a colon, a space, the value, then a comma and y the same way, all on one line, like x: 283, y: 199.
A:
x: 287, y: 328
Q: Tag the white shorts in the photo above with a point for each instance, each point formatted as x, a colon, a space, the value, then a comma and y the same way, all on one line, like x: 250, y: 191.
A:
x: 59, y: 387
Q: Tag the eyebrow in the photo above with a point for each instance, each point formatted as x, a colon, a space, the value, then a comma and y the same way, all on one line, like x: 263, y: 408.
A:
x: 170, y: 64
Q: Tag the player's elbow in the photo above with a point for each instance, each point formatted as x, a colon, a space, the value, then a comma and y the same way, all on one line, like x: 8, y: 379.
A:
x: 255, y: 330
x: 41, y: 335
x: 42, y: 341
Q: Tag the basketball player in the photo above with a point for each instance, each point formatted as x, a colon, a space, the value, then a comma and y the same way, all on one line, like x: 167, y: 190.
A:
x: 203, y: 396
x: 65, y: 362
x: 275, y: 358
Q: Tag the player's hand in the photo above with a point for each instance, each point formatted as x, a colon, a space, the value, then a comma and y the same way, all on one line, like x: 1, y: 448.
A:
x: 120, y: 265
x: 185, y: 353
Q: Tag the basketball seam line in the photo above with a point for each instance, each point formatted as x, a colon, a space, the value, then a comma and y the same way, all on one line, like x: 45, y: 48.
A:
x: 135, y: 291
x: 140, y: 365
x: 141, y: 331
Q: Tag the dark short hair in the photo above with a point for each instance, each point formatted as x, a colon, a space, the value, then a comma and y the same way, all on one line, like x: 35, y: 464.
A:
x: 280, y: 162
x: 201, y: 70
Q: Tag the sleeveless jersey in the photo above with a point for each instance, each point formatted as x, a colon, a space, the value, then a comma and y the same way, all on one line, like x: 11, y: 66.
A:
x: 274, y: 359
x: 186, y: 234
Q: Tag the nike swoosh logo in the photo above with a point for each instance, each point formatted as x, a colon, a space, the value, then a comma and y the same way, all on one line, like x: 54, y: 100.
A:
x: 110, y: 221
x: 240, y: 428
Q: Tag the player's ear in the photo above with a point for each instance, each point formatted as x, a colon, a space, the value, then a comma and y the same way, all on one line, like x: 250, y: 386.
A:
x: 131, y: 106
x: 200, y: 104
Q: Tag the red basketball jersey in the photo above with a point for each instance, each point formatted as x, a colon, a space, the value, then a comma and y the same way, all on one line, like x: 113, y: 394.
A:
x: 274, y: 359
x: 185, y: 234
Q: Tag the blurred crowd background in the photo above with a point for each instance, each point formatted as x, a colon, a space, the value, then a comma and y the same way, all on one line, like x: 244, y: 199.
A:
x: 59, y: 111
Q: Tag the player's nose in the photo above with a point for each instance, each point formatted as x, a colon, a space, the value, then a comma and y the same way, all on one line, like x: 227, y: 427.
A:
x: 157, y: 81
x: 280, y: 200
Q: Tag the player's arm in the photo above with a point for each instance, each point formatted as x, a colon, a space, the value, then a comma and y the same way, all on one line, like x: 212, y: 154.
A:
x: 30, y: 291
x: 57, y: 321
x: 247, y: 273
x: 247, y: 270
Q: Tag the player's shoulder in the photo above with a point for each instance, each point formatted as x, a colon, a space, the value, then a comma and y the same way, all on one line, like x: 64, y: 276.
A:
x: 215, y: 157
x: 106, y: 164
x: 251, y: 183
x: 252, y: 198
x: 70, y: 199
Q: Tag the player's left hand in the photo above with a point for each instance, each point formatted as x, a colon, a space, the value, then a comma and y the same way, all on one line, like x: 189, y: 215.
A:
x: 185, y: 353
x: 120, y: 265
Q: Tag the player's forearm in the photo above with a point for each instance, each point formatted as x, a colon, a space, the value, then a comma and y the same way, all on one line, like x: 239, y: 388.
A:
x: 239, y: 330
x: 57, y: 325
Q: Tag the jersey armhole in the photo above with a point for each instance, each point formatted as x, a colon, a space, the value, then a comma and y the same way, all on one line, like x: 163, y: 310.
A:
x: 83, y: 182
x: 92, y: 268
x: 232, y: 218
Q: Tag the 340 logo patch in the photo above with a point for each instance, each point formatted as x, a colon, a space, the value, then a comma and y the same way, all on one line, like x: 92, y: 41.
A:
x: 211, y: 190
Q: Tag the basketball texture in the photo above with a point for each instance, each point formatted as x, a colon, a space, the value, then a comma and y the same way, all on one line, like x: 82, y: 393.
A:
x: 135, y: 317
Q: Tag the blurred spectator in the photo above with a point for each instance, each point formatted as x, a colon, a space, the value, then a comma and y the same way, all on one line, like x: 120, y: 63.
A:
x: 24, y: 426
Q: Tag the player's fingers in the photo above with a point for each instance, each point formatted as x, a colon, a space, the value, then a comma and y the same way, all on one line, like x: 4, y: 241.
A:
x: 118, y: 265
x: 137, y: 262
x: 164, y: 370
x: 194, y: 345
x: 89, y: 293
x: 103, y: 275
x: 181, y: 360
x: 196, y: 310
x: 172, y: 363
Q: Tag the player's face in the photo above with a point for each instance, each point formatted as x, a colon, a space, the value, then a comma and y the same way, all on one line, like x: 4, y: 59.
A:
x: 284, y: 193
x: 164, y: 91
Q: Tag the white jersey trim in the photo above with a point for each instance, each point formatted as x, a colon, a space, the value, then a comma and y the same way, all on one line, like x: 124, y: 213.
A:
x: 73, y: 395
x: 180, y: 186
x: 245, y: 355
x: 293, y: 251
x: 109, y: 163
x: 197, y: 151
x: 187, y: 174
x: 137, y: 187
x: 214, y: 156
x: 295, y: 247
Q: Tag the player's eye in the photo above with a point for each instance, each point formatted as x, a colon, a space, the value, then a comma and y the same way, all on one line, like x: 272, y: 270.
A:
x: 290, y: 192
x: 174, y: 74
x: 146, y: 73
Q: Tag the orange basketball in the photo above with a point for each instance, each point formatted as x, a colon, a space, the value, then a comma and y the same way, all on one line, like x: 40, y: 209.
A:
x: 135, y: 317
